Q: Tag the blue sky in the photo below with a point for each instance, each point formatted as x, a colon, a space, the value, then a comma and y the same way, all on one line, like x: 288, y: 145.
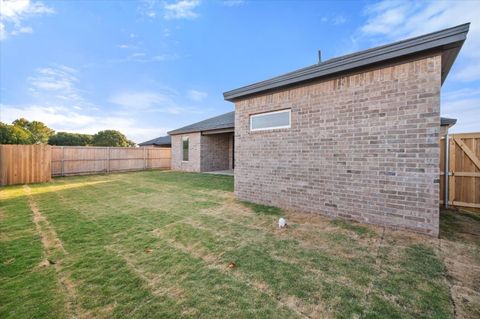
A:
x: 146, y: 67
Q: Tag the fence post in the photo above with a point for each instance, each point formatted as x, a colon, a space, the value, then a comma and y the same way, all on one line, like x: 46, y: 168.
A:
x: 144, y: 158
x: 63, y: 161
x: 451, y: 167
x: 108, y: 159
x: 446, y: 171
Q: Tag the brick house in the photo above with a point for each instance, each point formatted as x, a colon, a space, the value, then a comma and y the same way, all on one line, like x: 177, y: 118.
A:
x: 204, y: 146
x: 354, y: 137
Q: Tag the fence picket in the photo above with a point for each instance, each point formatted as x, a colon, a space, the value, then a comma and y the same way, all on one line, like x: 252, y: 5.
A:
x: 464, y: 170
x: 22, y: 164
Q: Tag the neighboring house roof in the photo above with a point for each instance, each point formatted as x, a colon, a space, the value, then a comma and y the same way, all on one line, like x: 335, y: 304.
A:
x: 448, y: 41
x: 445, y: 121
x: 224, y: 121
x: 162, y: 140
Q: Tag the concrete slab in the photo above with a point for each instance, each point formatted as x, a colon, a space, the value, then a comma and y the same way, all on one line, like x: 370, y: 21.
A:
x: 228, y: 172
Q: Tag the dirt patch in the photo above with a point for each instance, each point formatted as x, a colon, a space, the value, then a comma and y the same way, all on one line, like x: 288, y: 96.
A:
x: 467, y: 302
x: 463, y: 273
x: 54, y: 250
x: 9, y: 261
x: 229, y: 206
x: 196, y: 252
x: 47, y: 234
x: 43, y: 264
x: 459, y: 247
x: 305, y: 311
x: 103, y: 312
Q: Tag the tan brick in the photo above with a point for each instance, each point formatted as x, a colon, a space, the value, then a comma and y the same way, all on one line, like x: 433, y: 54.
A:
x: 361, y: 146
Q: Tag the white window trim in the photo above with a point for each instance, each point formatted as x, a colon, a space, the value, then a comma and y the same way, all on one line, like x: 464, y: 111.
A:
x: 271, y: 127
x: 186, y: 138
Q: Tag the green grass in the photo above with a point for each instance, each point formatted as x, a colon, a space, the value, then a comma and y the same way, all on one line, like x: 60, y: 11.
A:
x: 157, y: 245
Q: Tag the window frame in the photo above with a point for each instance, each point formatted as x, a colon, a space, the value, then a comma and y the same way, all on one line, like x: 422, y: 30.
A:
x: 187, y: 139
x: 252, y: 116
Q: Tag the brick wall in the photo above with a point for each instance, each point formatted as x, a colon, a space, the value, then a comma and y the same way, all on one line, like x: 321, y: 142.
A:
x: 231, y: 156
x: 361, y: 146
x: 193, y: 163
x: 206, y: 152
x: 215, y: 152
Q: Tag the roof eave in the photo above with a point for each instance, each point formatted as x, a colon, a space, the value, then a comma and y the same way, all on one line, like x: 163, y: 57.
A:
x: 450, y: 40
x: 179, y: 131
x: 445, y: 121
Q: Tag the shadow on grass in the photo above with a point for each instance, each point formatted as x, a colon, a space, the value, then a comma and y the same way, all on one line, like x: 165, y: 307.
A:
x: 460, y: 225
x: 262, y: 209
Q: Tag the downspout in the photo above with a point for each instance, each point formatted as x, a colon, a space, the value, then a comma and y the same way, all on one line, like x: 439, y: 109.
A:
x: 445, y: 187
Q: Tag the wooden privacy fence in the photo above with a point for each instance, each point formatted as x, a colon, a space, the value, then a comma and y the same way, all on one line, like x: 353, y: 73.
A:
x: 462, y: 153
x: 23, y: 164
x: 80, y: 160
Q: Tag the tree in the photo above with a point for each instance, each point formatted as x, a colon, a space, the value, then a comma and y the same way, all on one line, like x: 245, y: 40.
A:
x: 111, y: 138
x: 39, y: 131
x: 70, y: 139
x: 12, y: 134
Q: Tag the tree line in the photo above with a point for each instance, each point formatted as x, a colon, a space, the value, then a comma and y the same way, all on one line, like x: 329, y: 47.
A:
x: 22, y: 131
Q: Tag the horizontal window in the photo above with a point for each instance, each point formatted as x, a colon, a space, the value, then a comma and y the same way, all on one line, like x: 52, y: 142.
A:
x: 270, y: 120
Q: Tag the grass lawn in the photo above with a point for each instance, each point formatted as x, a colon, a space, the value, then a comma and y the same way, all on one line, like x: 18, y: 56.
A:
x: 168, y: 245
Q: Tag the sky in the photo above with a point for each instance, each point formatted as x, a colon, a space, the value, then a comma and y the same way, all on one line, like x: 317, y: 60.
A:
x: 147, y: 67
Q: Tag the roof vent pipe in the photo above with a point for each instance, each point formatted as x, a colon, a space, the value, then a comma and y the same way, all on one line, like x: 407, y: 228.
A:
x: 319, y: 56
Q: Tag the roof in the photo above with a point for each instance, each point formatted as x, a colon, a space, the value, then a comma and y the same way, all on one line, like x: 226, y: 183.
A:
x: 445, y: 121
x: 227, y: 121
x: 224, y: 121
x: 448, y: 41
x: 162, y: 140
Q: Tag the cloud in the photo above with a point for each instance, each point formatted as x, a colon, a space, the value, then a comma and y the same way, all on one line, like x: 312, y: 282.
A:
x: 14, y: 12
x: 50, y: 115
x: 22, y: 30
x: 233, y: 3
x: 140, y: 100
x: 57, y: 84
x: 59, y: 78
x: 62, y: 105
x: 137, y: 53
x: 395, y: 20
x: 388, y: 21
x: 197, y: 96
x: 62, y: 118
x: 183, y: 9
x: 147, y: 101
x: 169, y: 10
x: 148, y: 8
x: 464, y: 105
